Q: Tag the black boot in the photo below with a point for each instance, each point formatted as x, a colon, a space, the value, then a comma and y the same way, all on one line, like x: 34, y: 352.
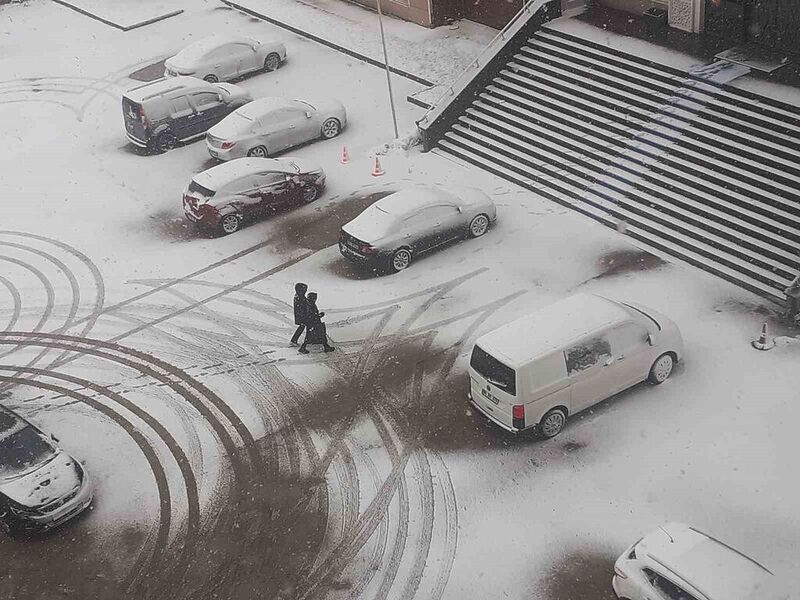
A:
x: 302, y: 349
x: 329, y: 348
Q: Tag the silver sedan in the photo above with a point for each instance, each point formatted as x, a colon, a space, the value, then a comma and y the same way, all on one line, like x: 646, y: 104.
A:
x: 268, y: 126
x: 222, y: 58
x: 401, y: 226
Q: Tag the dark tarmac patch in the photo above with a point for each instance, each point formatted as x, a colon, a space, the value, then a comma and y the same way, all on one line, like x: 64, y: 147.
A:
x: 174, y: 227
x: 320, y: 228
x: 348, y: 270
x: 150, y: 72
x: 581, y: 575
x: 573, y: 446
x: 618, y: 262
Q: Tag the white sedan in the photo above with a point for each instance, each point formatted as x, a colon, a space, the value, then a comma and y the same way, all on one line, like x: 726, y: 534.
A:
x: 222, y: 58
x: 267, y: 126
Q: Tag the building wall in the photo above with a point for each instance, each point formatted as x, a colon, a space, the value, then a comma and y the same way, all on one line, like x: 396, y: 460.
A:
x: 417, y: 11
x: 635, y: 6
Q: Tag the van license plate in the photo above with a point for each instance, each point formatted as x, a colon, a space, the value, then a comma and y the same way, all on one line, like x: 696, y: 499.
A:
x: 486, y: 394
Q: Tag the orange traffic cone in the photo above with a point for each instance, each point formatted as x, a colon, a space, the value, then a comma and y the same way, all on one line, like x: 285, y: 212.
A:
x: 377, y: 170
x: 762, y: 343
x: 345, y: 158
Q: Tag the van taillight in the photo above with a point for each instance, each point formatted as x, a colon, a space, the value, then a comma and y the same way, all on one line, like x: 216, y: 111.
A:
x: 518, y: 416
x: 142, y: 118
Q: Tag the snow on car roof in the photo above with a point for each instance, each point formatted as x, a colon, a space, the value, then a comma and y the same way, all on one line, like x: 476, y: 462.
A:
x: 409, y: 200
x: 196, y: 50
x: 142, y: 92
x: 712, y: 567
x: 260, y: 106
x: 215, y: 177
x: 551, y: 327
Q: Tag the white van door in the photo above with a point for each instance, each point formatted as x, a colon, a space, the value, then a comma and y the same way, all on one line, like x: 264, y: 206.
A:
x: 631, y: 355
x: 587, y: 367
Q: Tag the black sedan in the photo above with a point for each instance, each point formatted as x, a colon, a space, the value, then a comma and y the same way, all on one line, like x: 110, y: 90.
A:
x: 225, y: 196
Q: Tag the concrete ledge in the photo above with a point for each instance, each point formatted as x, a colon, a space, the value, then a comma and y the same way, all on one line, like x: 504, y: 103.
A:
x: 328, y: 43
x: 91, y: 15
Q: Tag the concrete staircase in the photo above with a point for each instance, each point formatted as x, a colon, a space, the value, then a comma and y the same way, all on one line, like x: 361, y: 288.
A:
x: 686, y: 165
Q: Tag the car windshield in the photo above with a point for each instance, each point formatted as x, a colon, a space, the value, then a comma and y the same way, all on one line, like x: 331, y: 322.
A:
x: 493, y: 370
x: 21, y: 448
x: 642, y: 317
x: 378, y: 222
x: 306, y: 104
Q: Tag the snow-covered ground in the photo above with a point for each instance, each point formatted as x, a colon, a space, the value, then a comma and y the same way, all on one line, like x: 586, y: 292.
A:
x: 227, y: 465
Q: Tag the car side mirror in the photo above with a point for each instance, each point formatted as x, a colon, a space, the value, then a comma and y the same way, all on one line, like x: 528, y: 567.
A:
x: 54, y: 438
x: 652, y: 339
x: 458, y: 208
x: 308, y: 115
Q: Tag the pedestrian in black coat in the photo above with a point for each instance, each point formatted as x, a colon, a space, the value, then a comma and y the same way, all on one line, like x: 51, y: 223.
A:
x: 300, y: 311
x: 316, y: 333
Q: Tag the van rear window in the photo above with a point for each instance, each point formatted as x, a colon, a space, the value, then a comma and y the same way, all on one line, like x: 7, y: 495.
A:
x: 130, y: 108
x: 494, y: 371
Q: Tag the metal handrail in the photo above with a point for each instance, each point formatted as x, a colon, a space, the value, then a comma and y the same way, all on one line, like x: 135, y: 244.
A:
x: 530, y: 8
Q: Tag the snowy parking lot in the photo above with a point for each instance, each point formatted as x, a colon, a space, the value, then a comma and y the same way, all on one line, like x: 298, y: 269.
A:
x: 227, y: 465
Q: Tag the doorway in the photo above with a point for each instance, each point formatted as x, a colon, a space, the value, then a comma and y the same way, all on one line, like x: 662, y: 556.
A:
x: 494, y: 13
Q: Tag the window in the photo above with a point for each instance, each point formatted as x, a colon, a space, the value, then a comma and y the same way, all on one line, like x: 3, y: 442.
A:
x: 242, y: 185
x: 241, y: 49
x: 494, y: 371
x: 265, y: 180
x: 626, y: 337
x: 666, y: 587
x: 435, y: 214
x: 587, y: 353
x: 205, y: 100
x: 219, y: 53
x: 180, y: 106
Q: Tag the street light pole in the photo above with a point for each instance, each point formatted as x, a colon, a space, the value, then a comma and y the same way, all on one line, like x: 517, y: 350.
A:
x: 388, y: 72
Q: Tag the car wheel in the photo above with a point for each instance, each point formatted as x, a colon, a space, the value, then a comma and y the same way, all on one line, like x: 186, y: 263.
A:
x: 310, y: 193
x: 331, y: 128
x: 478, y: 226
x: 661, y: 369
x: 552, y: 423
x: 211, y: 78
x: 272, y: 62
x: 401, y: 260
x: 258, y: 152
x: 230, y: 224
x: 166, y: 141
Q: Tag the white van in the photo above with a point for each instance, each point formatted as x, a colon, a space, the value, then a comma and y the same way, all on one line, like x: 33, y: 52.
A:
x: 539, y: 369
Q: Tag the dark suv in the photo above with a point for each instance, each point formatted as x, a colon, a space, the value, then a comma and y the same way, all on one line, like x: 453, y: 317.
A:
x: 160, y: 114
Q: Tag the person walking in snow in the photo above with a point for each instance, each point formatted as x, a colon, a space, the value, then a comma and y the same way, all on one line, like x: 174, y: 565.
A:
x: 316, y: 332
x: 300, y: 311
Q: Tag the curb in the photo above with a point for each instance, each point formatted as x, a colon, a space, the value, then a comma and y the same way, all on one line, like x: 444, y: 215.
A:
x: 329, y: 44
x: 86, y: 13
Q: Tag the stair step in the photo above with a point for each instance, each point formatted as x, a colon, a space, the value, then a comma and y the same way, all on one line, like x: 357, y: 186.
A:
x: 768, y: 230
x: 779, y: 112
x: 736, y: 277
x: 589, y: 191
x: 665, y: 162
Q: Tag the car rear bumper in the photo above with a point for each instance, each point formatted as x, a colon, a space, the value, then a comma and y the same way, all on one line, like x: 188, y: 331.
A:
x: 489, y: 416
x: 356, y: 257
x: 229, y: 154
x: 137, y: 141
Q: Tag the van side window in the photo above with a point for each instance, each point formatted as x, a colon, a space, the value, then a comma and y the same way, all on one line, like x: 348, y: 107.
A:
x: 626, y: 337
x: 666, y: 587
x: 587, y: 353
x: 179, y: 106
x: 205, y: 100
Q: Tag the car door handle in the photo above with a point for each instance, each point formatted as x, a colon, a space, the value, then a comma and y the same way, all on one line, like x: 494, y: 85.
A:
x: 292, y: 126
x: 620, y: 357
x: 609, y: 362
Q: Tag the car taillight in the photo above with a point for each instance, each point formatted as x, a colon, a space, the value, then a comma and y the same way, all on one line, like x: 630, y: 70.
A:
x: 142, y: 117
x: 227, y: 145
x: 367, y: 249
x: 619, y: 572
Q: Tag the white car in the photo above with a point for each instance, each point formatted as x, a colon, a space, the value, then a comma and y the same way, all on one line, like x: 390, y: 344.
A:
x: 268, y: 126
x: 678, y: 562
x: 222, y: 58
